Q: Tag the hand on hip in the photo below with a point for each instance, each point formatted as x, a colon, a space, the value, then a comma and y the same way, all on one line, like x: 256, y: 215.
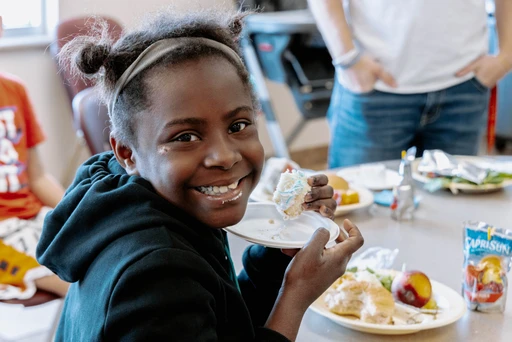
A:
x: 361, y: 78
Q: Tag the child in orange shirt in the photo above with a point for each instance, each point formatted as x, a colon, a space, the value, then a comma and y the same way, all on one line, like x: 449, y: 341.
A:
x: 26, y: 194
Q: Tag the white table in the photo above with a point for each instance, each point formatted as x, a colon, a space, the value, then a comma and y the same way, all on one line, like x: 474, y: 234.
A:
x: 431, y: 243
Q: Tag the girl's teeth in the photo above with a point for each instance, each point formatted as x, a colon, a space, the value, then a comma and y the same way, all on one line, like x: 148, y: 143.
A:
x: 217, y: 190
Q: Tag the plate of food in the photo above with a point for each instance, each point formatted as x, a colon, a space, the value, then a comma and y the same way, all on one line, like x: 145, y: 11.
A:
x: 495, y: 174
x: 389, y: 302
x: 349, y: 197
x: 284, y: 223
x: 263, y: 224
x: 374, y: 177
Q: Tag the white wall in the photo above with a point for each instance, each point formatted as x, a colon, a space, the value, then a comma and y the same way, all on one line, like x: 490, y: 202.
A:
x: 36, y: 68
x: 129, y: 11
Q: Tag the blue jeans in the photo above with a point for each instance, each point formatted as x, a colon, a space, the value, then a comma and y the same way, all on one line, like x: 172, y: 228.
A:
x: 377, y: 126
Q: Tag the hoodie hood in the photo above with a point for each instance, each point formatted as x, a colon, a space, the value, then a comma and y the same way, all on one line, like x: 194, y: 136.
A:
x: 103, y: 205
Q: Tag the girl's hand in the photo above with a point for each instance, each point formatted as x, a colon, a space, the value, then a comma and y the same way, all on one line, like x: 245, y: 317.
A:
x: 309, y: 274
x: 320, y: 198
x: 314, y: 268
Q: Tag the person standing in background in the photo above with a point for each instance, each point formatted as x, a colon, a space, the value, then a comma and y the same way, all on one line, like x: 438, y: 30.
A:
x: 410, y: 73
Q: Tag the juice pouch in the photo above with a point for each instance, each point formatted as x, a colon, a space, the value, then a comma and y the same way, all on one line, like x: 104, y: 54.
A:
x: 487, y: 260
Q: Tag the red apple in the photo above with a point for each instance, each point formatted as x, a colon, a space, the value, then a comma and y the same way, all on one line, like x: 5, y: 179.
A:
x: 412, y: 288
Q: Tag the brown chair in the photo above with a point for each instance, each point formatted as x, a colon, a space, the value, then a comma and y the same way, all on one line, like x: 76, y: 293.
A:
x: 66, y: 31
x: 92, y: 119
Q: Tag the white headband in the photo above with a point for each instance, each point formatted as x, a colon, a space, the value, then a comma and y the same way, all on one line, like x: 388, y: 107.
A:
x: 159, y: 49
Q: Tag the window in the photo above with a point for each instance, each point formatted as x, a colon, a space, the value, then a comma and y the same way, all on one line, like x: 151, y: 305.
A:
x: 28, y: 18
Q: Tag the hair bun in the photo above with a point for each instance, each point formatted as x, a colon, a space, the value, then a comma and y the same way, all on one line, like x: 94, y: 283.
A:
x: 92, y: 57
x: 236, y: 25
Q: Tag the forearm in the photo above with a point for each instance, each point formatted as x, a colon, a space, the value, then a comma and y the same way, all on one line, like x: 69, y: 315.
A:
x: 44, y: 186
x: 47, y: 189
x: 53, y: 284
x: 286, y: 316
x: 504, y: 28
x: 331, y: 21
x: 261, y: 279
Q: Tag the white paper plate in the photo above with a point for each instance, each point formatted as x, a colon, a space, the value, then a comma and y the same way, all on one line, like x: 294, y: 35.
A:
x: 263, y: 224
x: 452, y: 305
x: 365, y: 200
x: 468, y: 188
x: 356, y: 176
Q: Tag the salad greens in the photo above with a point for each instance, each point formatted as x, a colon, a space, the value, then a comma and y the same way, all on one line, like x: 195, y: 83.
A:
x: 385, y: 280
x: 352, y: 269
x: 438, y: 183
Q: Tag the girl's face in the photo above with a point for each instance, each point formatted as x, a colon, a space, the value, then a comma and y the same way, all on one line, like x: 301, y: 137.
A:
x: 198, y: 145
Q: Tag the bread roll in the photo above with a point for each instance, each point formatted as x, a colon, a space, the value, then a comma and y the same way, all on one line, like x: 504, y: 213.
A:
x: 337, y: 182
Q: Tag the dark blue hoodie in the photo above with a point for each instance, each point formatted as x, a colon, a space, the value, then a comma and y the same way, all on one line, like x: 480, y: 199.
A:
x: 142, y: 270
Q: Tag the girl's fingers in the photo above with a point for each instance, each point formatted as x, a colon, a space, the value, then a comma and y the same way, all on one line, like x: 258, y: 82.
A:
x: 342, y: 236
x: 350, y: 245
x: 327, y: 212
x: 318, y: 180
x: 319, y: 193
x: 318, y: 241
x: 290, y: 252
x: 325, y: 207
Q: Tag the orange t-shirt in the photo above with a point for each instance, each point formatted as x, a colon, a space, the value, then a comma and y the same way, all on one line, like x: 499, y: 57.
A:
x: 19, y: 131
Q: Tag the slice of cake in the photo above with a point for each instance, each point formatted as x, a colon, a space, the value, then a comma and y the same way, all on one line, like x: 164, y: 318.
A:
x: 272, y: 171
x: 289, y: 195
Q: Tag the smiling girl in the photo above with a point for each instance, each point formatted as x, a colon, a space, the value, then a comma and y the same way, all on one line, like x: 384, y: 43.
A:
x: 139, y: 232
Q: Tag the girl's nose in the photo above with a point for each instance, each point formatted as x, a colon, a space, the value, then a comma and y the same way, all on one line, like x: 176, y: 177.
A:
x: 222, y: 153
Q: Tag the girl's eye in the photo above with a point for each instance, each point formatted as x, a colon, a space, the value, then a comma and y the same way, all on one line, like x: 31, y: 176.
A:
x: 187, y: 137
x: 237, y: 127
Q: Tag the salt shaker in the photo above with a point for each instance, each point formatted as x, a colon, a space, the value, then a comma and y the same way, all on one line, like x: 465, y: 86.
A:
x: 402, y: 207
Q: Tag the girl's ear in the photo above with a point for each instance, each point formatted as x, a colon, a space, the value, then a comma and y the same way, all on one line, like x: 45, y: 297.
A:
x: 124, y: 156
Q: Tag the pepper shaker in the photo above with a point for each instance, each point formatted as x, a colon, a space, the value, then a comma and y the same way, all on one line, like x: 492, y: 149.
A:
x: 402, y: 207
